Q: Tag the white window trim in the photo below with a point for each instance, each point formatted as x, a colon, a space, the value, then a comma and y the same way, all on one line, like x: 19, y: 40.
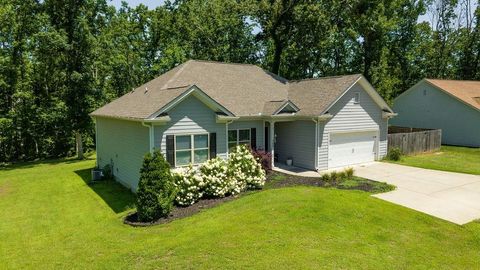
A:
x: 192, y: 149
x: 238, y: 136
x: 355, y: 99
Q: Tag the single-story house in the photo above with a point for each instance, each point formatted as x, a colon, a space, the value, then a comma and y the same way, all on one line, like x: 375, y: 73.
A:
x: 450, y: 105
x: 201, y: 109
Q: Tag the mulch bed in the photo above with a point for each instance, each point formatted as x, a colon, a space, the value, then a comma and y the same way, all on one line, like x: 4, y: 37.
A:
x: 292, y: 180
x: 274, y: 180
x: 178, y: 212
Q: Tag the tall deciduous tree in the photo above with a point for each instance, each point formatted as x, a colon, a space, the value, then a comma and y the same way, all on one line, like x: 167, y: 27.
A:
x: 276, y: 18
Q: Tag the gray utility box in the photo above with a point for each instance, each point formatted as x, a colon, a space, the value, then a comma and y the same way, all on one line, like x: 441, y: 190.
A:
x: 97, y: 174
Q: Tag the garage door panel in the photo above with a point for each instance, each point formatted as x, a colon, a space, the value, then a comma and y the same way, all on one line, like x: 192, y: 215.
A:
x: 351, y: 148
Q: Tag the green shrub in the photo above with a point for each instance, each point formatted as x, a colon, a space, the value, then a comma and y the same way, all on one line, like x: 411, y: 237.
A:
x: 333, y: 176
x: 341, y: 176
x: 394, y: 153
x: 107, y: 172
x: 349, y: 173
x: 156, y: 190
x: 326, y: 178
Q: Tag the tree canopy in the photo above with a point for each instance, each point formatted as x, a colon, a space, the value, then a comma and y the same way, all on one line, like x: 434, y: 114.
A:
x: 62, y: 59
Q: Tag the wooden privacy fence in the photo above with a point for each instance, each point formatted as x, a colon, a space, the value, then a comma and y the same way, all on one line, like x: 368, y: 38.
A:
x: 414, y: 140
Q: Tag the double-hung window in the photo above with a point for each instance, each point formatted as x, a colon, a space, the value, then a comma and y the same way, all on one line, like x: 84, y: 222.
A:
x: 192, y: 149
x: 238, y: 137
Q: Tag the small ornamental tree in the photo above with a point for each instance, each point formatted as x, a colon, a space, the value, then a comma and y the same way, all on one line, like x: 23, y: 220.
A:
x: 156, y: 190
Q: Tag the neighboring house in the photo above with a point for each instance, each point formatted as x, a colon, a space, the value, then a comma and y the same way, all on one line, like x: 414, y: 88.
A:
x: 452, y: 106
x: 200, y: 109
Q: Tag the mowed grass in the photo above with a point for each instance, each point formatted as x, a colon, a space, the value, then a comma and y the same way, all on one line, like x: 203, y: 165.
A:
x: 449, y: 158
x: 51, y: 218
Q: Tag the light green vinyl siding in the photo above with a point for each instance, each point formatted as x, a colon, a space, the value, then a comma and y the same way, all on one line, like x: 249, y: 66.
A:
x: 123, y: 144
x: 191, y: 116
x: 435, y: 109
x: 349, y: 116
x: 296, y: 140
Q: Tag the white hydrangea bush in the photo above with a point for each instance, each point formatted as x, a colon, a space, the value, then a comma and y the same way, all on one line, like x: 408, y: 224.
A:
x: 218, y: 177
x: 189, y: 183
x: 245, y: 170
x: 215, y: 177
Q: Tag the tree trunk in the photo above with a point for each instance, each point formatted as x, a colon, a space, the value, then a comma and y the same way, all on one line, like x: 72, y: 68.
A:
x: 277, y: 56
x: 79, y: 145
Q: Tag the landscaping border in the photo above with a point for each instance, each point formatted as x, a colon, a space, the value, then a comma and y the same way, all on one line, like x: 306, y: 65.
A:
x: 275, y: 180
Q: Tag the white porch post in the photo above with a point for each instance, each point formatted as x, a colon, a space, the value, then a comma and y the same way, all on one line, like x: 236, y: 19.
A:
x: 272, y: 141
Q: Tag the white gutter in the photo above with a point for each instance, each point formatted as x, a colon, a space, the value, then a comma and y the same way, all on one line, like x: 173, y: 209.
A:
x: 324, y: 117
x: 158, y: 120
x: 388, y: 115
x: 226, y: 119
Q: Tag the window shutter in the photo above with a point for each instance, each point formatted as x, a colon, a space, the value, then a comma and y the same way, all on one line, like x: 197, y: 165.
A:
x: 253, y: 138
x: 171, y: 150
x: 213, y: 145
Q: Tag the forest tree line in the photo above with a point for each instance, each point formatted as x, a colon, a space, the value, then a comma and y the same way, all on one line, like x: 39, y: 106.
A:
x: 62, y: 59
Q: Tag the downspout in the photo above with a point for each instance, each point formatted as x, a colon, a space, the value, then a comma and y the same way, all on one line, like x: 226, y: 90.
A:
x: 150, y: 136
x: 96, y: 142
x: 226, y: 135
x: 315, y: 120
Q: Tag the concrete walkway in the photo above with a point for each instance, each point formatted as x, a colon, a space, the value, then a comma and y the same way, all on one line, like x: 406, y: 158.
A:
x: 450, y: 196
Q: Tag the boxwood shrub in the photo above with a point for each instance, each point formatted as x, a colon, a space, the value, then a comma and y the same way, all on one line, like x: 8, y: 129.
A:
x: 156, y: 190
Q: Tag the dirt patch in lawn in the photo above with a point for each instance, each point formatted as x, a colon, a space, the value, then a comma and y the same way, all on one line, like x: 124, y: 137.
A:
x: 179, y: 212
x: 274, y: 180
x: 4, y: 190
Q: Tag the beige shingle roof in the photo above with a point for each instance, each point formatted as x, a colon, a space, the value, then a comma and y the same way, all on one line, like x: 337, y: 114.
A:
x: 466, y: 91
x: 140, y: 103
x: 314, y: 96
x: 243, y: 89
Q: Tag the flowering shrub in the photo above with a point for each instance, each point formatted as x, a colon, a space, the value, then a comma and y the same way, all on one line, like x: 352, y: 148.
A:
x: 218, y: 177
x: 189, y: 184
x: 215, y: 177
x: 264, y: 158
x: 244, y: 169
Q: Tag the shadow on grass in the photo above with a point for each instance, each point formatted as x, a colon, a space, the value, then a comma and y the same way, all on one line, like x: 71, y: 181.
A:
x: 31, y: 164
x: 114, y: 194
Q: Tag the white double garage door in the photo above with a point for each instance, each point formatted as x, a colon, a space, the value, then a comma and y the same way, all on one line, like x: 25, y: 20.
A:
x: 350, y: 148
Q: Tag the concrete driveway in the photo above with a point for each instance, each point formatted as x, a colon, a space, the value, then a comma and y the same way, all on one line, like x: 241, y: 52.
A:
x: 451, y: 196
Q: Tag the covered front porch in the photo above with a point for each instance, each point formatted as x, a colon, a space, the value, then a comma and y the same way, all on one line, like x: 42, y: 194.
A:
x: 296, y: 141
x: 292, y: 170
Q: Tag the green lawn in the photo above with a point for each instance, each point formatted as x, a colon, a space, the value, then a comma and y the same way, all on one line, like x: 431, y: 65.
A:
x: 449, y: 158
x: 51, y: 218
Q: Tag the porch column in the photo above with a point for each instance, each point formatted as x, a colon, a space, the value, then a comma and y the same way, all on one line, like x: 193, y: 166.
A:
x: 272, y: 141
